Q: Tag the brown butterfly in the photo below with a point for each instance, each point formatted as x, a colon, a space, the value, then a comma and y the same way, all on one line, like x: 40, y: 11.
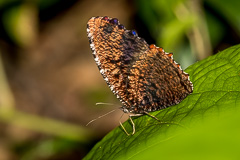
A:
x: 143, y: 77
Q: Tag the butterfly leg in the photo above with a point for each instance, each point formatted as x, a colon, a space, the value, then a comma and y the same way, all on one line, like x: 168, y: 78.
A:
x: 124, y: 128
x: 122, y: 125
x: 133, y: 124
x: 174, y: 123
x: 151, y: 116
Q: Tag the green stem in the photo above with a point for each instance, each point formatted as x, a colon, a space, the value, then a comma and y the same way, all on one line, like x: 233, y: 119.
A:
x: 45, y: 125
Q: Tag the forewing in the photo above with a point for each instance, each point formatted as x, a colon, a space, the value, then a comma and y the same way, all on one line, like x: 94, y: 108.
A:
x: 115, y: 49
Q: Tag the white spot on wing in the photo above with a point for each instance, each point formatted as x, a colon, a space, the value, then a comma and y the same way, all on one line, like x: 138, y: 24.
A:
x: 112, y: 87
x: 102, y: 71
x: 106, y: 79
x: 92, y: 46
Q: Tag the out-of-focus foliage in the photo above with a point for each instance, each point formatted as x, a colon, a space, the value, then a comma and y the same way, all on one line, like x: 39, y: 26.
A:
x: 20, y: 19
x: 45, y: 149
x: 20, y: 22
x: 191, y: 29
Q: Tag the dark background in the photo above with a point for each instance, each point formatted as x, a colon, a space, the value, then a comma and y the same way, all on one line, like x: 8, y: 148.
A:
x: 49, y: 82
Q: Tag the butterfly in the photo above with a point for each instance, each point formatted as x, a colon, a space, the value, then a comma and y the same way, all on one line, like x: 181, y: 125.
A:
x: 144, y: 77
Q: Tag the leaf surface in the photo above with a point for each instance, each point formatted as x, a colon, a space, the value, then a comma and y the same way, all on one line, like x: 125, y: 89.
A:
x: 216, y: 94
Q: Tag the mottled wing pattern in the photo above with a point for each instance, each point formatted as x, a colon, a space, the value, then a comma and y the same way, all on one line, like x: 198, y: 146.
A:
x: 163, y: 83
x: 143, y: 77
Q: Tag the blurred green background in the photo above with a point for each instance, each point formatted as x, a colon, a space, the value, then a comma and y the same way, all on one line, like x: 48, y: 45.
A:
x: 49, y: 82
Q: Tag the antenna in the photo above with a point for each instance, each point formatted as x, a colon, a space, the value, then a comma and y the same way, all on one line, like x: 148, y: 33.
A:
x: 100, y: 117
x: 103, y: 103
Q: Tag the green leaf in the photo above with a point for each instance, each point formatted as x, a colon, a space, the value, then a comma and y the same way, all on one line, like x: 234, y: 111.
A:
x: 198, y: 121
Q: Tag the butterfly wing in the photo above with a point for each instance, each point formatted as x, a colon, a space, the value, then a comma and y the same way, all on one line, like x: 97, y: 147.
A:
x: 163, y: 83
x: 114, y: 50
x: 143, y: 77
